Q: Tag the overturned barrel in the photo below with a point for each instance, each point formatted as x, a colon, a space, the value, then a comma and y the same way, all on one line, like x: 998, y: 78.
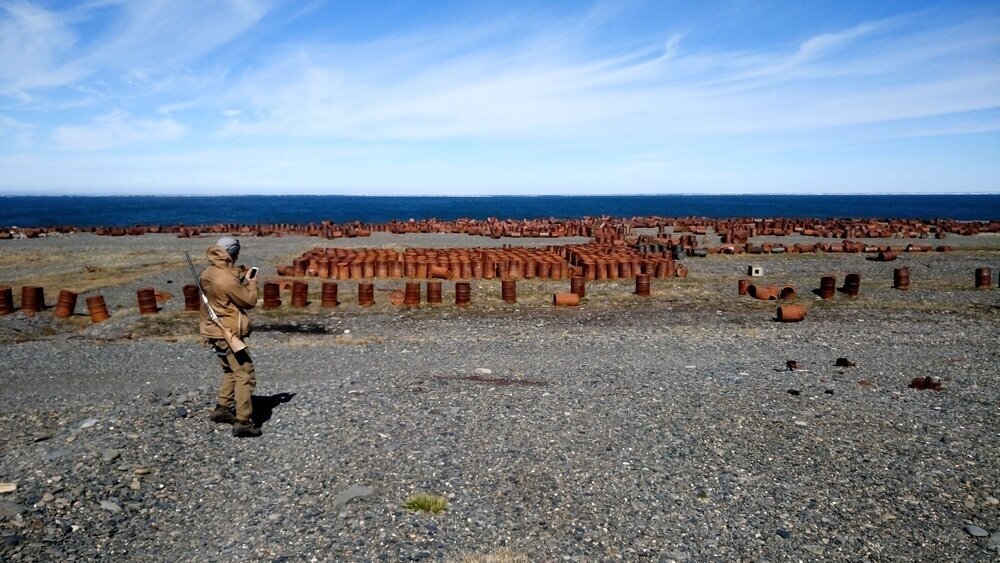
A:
x: 66, y: 304
x: 272, y: 295
x: 763, y: 292
x: 97, y: 309
x: 192, y: 300
x: 463, y: 293
x: 32, y: 299
x: 328, y: 297
x: 6, y: 300
x: 901, y: 278
x: 984, y: 278
x: 791, y: 313
x: 147, y: 300
x: 565, y: 299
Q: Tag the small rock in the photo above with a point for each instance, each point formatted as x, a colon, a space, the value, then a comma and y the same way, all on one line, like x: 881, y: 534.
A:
x: 828, y: 391
x: 801, y: 423
x: 976, y: 531
x: 10, y: 509
x: 8, y: 487
x: 353, y: 492
x: 110, y: 506
x: 483, y: 371
x: 844, y: 363
x: 142, y: 471
x: 679, y: 555
x: 41, y: 437
x: 89, y: 423
x: 794, y: 392
x: 48, y: 497
x: 110, y: 455
x: 784, y: 533
x: 53, y: 455
x: 181, y: 412
x: 791, y: 365
x: 814, y: 549
x: 135, y: 485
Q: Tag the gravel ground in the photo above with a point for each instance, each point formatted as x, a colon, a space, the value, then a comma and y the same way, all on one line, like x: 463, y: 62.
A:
x: 665, y: 428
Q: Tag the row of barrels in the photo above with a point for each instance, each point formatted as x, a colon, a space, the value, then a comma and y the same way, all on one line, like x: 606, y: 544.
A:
x: 733, y: 230
x: 33, y: 301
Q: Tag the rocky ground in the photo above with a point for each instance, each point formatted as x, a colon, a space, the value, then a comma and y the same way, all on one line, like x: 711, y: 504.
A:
x: 662, y: 428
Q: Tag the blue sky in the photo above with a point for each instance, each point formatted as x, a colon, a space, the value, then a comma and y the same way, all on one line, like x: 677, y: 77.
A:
x: 489, y: 97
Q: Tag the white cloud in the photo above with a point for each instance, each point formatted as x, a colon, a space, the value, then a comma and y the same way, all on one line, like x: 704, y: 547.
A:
x: 116, y: 129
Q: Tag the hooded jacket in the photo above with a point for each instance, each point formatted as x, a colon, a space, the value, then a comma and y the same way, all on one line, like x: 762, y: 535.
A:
x: 227, y: 296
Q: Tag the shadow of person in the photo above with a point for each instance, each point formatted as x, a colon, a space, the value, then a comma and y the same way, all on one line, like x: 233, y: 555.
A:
x: 263, y: 406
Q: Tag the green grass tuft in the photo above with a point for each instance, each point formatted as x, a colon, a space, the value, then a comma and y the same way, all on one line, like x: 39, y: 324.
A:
x: 423, y: 502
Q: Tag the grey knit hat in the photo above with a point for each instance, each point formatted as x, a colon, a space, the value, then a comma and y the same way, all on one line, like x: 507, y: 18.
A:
x: 230, y: 245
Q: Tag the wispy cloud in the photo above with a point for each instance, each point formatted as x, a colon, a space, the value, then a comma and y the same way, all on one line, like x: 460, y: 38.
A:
x: 116, y: 129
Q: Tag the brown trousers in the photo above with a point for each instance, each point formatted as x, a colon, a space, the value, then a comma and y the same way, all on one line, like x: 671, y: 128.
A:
x: 238, y: 379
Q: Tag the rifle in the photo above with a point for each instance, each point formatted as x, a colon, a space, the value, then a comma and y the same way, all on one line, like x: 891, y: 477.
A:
x: 234, y: 342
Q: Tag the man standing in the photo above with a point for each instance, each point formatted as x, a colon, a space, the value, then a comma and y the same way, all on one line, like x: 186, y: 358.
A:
x: 229, y: 296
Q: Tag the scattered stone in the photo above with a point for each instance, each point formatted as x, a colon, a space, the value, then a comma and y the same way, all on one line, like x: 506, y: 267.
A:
x: 927, y: 382
x: 53, y: 455
x: 10, y: 509
x: 844, y: 363
x: 353, y: 492
x: 791, y: 365
x: 976, y: 531
x: 142, y: 471
x: 8, y: 487
x: 785, y: 534
x: 110, y: 455
x: 866, y: 384
x: 110, y: 506
x: 814, y: 549
x: 181, y: 412
x: 41, y: 437
x: 89, y: 423
x: 484, y: 371
x: 828, y: 392
x: 794, y: 392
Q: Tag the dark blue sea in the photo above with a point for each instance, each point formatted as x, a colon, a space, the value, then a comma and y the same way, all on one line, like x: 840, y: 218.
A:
x: 86, y: 211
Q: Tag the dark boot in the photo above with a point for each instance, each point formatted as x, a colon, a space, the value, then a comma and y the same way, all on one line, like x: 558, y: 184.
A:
x: 245, y: 429
x: 222, y: 415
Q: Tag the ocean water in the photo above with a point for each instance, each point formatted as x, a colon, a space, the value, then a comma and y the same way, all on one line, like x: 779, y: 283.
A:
x: 87, y: 211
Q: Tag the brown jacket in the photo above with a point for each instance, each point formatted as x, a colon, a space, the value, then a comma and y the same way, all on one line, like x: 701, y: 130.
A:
x: 226, y: 295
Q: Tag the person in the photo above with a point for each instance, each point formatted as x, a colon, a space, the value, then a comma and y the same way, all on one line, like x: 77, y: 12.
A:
x: 230, y: 295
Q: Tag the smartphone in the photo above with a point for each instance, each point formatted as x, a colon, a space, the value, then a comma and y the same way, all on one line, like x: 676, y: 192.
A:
x: 252, y: 274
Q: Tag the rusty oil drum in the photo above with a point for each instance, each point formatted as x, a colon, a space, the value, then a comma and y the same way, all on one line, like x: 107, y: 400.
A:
x: 147, y: 300
x: 300, y: 294
x: 578, y: 285
x: 791, y: 313
x: 366, y: 294
x: 984, y: 278
x: 463, y: 293
x: 852, y: 284
x: 272, y: 295
x: 901, y: 278
x: 642, y: 285
x: 66, y: 304
x: 508, y: 291
x: 434, y: 292
x: 6, y: 300
x: 411, y: 294
x: 192, y: 300
x: 741, y: 286
x: 97, y: 308
x: 328, y: 298
x: 32, y: 299
x: 827, y: 287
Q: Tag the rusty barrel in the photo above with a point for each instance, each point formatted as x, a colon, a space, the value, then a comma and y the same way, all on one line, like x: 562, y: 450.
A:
x: 827, y: 287
x: 147, y: 300
x: 852, y: 284
x: 328, y: 298
x: 508, y: 291
x: 787, y: 292
x: 300, y: 294
x: 463, y: 292
x: 6, y: 300
x: 32, y: 299
x: 681, y: 271
x: 411, y: 294
x: 97, y: 309
x: 192, y: 301
x: 366, y: 294
x: 642, y: 285
x: 763, y: 292
x: 984, y: 278
x: 791, y: 313
x: 565, y: 299
x: 741, y: 286
x: 901, y: 278
x: 66, y: 304
x: 272, y: 295
x: 440, y: 272
x: 434, y: 292
x: 578, y: 285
